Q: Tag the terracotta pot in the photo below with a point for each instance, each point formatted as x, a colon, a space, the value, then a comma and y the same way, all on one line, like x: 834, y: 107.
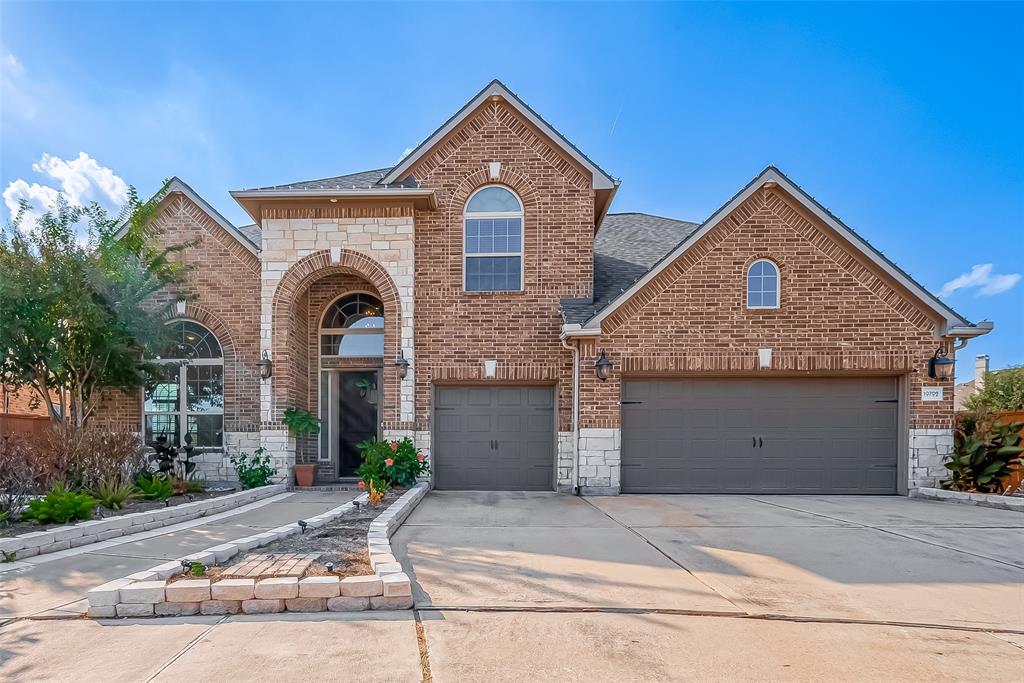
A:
x: 304, y: 475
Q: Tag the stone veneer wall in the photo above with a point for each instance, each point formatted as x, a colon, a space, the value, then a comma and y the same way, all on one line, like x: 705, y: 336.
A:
x: 929, y: 448
x: 302, y: 246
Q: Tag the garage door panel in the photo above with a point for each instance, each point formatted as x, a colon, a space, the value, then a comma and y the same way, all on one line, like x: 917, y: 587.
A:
x: 470, y: 421
x: 793, y: 435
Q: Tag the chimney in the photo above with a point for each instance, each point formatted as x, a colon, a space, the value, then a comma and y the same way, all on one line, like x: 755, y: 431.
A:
x: 980, y: 368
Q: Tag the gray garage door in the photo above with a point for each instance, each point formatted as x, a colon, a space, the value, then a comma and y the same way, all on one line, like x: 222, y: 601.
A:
x: 494, y: 438
x: 800, y: 435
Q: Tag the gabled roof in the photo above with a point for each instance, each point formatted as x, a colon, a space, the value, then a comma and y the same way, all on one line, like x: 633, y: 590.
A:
x: 601, y: 180
x: 351, y: 181
x: 627, y: 246
x: 176, y: 184
x: 954, y: 322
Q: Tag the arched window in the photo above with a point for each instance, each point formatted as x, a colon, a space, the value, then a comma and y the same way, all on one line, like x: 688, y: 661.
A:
x: 493, y: 241
x: 763, y: 285
x: 187, y: 398
x: 353, y: 326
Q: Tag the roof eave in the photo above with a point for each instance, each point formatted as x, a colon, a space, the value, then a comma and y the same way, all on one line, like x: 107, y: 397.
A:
x: 251, y: 200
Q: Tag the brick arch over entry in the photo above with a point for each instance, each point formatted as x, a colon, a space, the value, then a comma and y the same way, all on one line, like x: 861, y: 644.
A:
x: 290, y: 335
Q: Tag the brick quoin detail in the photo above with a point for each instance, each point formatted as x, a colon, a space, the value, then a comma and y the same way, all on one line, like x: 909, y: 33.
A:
x: 293, y: 348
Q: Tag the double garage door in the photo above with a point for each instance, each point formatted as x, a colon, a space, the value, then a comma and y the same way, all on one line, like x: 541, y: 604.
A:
x: 799, y: 435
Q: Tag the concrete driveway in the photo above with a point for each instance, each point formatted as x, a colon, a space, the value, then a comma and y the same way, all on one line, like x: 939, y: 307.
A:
x: 787, y: 587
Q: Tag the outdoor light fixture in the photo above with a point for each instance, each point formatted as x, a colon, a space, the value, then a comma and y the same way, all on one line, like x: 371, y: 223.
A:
x: 403, y: 365
x: 603, y: 367
x: 940, y: 366
x: 302, y: 525
x: 189, y: 497
x: 266, y: 366
x: 186, y: 566
x: 329, y: 566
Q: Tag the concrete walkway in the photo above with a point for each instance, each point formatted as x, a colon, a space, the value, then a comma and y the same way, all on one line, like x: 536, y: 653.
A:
x: 56, y: 584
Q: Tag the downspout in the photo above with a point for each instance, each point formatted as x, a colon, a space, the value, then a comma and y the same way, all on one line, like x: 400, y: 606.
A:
x: 575, y: 477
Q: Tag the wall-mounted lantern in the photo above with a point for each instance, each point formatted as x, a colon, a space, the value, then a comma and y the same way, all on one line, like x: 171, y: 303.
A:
x: 402, y: 364
x: 940, y: 366
x: 266, y: 366
x: 603, y: 367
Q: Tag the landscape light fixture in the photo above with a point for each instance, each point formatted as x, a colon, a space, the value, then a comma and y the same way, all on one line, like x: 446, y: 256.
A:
x: 266, y: 366
x: 940, y: 366
x: 302, y: 525
x: 603, y: 367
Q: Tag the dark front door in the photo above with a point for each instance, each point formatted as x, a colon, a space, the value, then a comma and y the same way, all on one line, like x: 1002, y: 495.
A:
x: 359, y: 400
x: 767, y: 435
x: 494, y: 438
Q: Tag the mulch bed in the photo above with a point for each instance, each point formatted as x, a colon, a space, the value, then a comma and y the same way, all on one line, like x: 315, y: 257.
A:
x: 342, y: 542
x: 18, y: 528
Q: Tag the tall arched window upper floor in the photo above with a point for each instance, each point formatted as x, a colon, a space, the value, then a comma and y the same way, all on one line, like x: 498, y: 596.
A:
x: 492, y: 244
x: 763, y: 284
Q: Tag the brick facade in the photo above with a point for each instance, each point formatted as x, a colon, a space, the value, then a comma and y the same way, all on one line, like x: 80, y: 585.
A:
x: 839, y: 313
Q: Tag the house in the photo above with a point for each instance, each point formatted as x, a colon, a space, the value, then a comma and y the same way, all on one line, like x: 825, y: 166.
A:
x: 964, y: 390
x: 481, y: 298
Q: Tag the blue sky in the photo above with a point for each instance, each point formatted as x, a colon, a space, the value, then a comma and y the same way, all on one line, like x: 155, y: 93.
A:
x: 903, y: 119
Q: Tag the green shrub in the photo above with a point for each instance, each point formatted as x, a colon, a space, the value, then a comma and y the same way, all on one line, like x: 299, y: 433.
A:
x: 113, y: 494
x: 60, y: 506
x: 198, y: 569
x: 1003, y: 392
x: 300, y: 422
x: 155, y: 486
x: 390, y: 463
x: 253, y: 470
x: 983, y: 450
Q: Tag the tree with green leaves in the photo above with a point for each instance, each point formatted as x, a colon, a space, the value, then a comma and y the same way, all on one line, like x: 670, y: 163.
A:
x: 83, y: 299
x: 1003, y: 391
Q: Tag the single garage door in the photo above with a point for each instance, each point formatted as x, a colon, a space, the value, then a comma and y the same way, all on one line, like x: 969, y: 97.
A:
x: 799, y: 435
x: 494, y: 438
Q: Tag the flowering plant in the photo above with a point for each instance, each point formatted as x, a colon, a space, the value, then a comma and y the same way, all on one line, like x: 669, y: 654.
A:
x: 391, y: 463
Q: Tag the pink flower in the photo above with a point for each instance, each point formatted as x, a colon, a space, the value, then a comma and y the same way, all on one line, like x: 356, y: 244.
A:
x: 389, y: 462
x: 394, y: 445
x: 362, y: 486
x: 421, y: 457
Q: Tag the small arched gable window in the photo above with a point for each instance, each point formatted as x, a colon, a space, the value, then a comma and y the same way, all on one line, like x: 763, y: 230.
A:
x: 763, y: 285
x: 353, y: 326
x: 493, y: 241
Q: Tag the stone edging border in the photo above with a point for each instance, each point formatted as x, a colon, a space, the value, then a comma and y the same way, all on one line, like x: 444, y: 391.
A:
x: 96, y: 530
x: 147, y: 593
x: 989, y: 500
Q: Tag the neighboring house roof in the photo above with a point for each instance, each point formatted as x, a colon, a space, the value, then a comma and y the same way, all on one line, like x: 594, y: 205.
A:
x: 601, y: 180
x: 176, y: 184
x: 253, y: 233
x: 956, y: 324
x: 961, y: 392
x: 627, y: 246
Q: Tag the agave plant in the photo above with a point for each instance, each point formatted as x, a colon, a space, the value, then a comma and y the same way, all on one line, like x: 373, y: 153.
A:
x: 983, y: 454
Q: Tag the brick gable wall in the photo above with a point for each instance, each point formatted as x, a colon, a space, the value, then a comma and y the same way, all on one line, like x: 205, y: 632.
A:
x: 457, y: 330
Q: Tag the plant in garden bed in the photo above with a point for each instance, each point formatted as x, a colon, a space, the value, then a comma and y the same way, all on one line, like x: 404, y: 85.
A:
x: 390, y: 463
x: 18, y: 474
x: 253, y: 470
x: 155, y: 486
x: 984, y: 451
x: 114, y: 495
x: 300, y: 422
x: 59, y: 506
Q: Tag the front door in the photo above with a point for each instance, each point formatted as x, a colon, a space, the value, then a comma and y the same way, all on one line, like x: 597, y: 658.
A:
x: 359, y: 402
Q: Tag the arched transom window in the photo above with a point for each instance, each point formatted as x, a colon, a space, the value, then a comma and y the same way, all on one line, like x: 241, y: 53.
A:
x: 187, y: 397
x: 763, y: 285
x: 353, y: 326
x: 493, y: 241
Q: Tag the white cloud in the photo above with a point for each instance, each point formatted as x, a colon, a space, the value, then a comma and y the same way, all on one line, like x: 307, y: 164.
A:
x: 407, y: 152
x: 79, y: 181
x: 981, y: 278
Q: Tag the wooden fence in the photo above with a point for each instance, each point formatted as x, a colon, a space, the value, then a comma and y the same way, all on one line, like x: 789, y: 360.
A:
x: 1015, y: 480
x: 25, y: 425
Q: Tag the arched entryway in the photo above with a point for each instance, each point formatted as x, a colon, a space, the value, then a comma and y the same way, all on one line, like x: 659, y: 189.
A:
x: 335, y: 336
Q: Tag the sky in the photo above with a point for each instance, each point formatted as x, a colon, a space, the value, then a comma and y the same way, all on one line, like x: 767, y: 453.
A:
x: 903, y: 119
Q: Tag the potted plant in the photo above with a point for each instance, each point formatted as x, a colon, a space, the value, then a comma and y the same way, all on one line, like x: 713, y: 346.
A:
x: 302, y: 423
